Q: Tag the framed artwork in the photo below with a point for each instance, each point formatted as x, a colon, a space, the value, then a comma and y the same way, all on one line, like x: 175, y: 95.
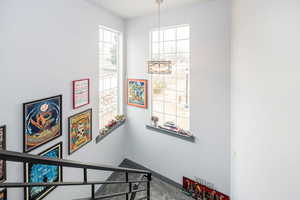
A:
x: 80, y: 130
x: 137, y: 92
x: 201, y: 192
x: 2, y: 147
x: 36, y: 173
x: 42, y: 122
x: 3, y: 194
x: 81, y: 93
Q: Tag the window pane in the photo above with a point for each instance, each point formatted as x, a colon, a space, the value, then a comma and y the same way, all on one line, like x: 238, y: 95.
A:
x: 170, y: 92
x: 183, y: 32
x: 108, y: 75
x: 170, y: 34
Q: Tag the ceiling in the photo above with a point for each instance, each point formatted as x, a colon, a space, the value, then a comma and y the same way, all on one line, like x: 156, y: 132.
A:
x: 135, y: 8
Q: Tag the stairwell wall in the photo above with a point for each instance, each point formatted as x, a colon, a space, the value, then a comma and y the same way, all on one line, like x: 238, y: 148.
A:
x: 209, y: 157
x: 45, y: 45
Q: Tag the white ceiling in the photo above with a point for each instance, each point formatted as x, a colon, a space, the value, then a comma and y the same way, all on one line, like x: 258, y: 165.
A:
x: 136, y: 8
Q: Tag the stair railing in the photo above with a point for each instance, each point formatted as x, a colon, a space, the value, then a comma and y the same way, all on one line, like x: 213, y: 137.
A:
x: 35, y: 159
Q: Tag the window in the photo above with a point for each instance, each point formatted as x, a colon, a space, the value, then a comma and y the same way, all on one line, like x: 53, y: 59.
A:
x: 110, y: 75
x: 170, y: 92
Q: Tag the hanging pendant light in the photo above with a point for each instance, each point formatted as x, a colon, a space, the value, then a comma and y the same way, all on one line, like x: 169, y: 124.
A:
x: 159, y: 66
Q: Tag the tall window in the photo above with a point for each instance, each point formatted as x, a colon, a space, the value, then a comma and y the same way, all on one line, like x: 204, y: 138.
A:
x: 170, y: 92
x: 110, y: 75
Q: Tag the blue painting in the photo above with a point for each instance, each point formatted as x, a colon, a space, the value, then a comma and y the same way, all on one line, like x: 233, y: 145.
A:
x: 42, y: 122
x: 137, y: 93
x: 40, y: 173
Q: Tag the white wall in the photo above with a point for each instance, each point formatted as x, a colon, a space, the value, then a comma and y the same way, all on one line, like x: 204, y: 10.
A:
x: 265, y: 100
x: 209, y: 156
x: 44, y: 45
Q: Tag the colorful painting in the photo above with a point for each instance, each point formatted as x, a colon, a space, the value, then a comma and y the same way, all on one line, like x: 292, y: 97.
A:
x: 81, y: 93
x: 42, y: 122
x: 2, y: 147
x: 40, y: 173
x: 137, y: 93
x: 201, y: 192
x: 3, y: 194
x: 80, y: 130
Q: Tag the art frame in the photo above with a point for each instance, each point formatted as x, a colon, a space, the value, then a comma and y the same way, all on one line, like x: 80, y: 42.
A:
x: 29, y: 168
x: 81, y: 92
x: 80, y: 128
x: 36, y: 118
x: 3, y: 194
x: 137, y: 93
x: 2, y: 147
x: 201, y: 192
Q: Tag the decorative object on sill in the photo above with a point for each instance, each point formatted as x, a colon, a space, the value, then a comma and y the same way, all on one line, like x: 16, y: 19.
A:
x: 159, y: 66
x: 200, y: 192
x: 37, y: 173
x: 3, y: 194
x: 81, y: 93
x: 106, y: 131
x: 137, y: 93
x: 80, y: 130
x: 154, y: 121
x: 170, y: 132
x: 42, y: 122
x: 2, y: 147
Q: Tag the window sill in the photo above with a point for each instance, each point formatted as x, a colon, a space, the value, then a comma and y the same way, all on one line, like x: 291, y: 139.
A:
x: 101, y: 137
x: 171, y: 133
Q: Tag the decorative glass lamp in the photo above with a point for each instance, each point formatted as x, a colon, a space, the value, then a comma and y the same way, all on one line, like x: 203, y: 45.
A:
x: 159, y: 66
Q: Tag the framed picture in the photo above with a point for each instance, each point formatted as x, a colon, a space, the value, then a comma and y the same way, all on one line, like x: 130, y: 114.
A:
x: 81, y: 93
x: 36, y: 173
x: 2, y: 147
x: 137, y: 92
x: 3, y: 194
x: 42, y: 122
x: 80, y: 130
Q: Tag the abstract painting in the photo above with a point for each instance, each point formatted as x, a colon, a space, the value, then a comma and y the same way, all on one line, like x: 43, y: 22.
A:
x: 81, y: 93
x: 3, y: 194
x: 42, y: 121
x: 80, y: 130
x: 137, y: 93
x: 40, y: 173
x: 2, y: 147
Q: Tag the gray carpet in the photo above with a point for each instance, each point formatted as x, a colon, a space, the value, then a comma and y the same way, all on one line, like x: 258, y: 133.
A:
x: 159, y: 189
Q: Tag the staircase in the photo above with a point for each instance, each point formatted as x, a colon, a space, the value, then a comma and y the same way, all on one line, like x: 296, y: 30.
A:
x: 160, y: 189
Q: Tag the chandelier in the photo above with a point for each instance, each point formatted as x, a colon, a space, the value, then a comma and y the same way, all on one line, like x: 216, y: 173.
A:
x: 159, y: 66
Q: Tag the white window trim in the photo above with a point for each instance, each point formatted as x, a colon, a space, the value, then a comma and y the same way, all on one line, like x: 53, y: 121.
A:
x: 120, y: 69
x: 151, y: 78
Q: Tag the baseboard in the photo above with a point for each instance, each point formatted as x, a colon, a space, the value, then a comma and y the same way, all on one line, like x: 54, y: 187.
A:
x: 131, y: 164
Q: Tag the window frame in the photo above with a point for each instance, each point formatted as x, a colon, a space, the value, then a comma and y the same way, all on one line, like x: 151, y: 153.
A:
x: 188, y: 79
x: 120, y: 69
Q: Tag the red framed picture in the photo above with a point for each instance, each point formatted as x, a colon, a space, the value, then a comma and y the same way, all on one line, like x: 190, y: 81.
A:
x: 201, y: 192
x: 137, y: 92
x: 81, y: 93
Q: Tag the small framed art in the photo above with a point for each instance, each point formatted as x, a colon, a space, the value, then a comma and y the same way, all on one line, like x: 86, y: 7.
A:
x: 80, y: 130
x: 137, y: 92
x: 2, y: 147
x: 40, y: 173
x: 42, y: 122
x: 81, y: 93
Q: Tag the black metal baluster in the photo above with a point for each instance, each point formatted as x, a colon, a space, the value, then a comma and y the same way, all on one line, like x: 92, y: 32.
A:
x: 127, y: 179
x: 149, y: 178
